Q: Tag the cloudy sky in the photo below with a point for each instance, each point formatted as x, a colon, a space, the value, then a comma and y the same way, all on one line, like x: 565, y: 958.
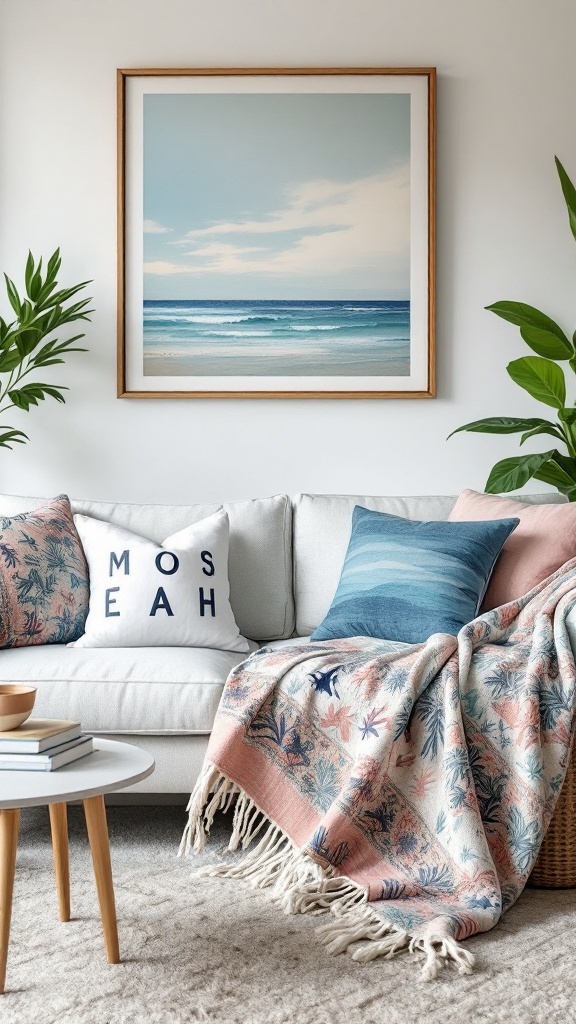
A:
x: 280, y: 196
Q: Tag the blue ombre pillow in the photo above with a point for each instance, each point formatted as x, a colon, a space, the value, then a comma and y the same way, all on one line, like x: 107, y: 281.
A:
x: 405, y: 580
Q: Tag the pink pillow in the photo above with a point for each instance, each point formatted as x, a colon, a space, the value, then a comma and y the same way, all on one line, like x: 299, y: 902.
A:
x: 43, y: 577
x: 544, y: 539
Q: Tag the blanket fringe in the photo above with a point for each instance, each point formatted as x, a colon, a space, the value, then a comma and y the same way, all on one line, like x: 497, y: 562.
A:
x: 439, y: 951
x: 202, y: 809
x: 300, y: 885
x: 362, y: 924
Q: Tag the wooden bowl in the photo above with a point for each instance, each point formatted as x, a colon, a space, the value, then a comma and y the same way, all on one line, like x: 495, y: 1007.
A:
x: 16, y: 703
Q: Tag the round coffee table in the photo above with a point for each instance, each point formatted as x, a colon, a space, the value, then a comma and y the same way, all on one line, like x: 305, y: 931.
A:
x: 111, y: 766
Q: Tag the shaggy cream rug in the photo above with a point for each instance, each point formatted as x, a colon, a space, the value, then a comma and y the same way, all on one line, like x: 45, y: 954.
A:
x: 212, y: 951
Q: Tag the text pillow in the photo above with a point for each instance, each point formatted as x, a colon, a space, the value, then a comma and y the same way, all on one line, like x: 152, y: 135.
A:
x: 144, y: 594
x: 405, y: 580
x: 544, y: 540
x: 43, y: 577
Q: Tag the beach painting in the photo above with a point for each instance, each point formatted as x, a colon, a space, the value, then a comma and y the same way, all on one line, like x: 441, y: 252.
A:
x: 276, y: 234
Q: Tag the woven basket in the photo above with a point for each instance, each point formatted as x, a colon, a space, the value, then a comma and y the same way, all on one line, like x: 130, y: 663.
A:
x: 556, y: 864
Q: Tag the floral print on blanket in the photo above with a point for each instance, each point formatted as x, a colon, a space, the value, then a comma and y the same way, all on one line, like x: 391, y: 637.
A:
x: 426, y: 774
x: 43, y: 577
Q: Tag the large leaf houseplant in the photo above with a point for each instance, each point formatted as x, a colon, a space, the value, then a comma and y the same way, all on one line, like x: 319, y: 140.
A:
x: 28, y: 341
x: 543, y: 377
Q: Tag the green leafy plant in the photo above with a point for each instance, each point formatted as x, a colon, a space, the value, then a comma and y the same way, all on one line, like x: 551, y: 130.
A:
x: 545, y: 380
x: 27, y: 343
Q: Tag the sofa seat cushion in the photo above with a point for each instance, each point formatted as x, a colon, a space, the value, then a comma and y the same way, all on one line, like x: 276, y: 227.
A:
x: 132, y: 690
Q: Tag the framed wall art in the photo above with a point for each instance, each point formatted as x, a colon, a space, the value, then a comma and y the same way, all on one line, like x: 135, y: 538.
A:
x: 276, y: 232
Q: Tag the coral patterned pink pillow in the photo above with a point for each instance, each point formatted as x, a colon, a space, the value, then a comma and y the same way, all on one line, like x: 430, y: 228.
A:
x: 544, y: 539
x: 43, y: 577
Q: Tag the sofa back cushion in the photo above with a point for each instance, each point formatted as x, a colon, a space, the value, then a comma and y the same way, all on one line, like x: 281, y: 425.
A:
x: 546, y: 539
x: 404, y: 579
x: 322, y: 525
x: 260, y: 554
x: 43, y: 577
x: 174, y: 594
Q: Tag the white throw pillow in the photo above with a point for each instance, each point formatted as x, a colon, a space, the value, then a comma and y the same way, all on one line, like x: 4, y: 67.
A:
x: 144, y: 594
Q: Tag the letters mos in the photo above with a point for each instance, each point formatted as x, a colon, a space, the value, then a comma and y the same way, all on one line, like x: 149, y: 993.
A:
x: 167, y: 563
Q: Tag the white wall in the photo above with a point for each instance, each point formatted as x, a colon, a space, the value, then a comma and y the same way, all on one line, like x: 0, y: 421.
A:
x: 506, y: 105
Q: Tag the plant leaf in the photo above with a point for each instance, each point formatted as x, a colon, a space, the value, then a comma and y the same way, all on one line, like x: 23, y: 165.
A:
x: 13, y: 296
x: 551, y: 473
x: 9, y: 360
x: 53, y: 265
x: 64, y: 294
x: 523, y: 315
x: 26, y: 341
x: 48, y: 389
x: 540, y: 378
x: 29, y: 271
x: 544, y: 428
x: 567, y: 415
x: 36, y: 284
x: 513, y: 473
x: 37, y: 316
x: 567, y: 464
x: 547, y: 344
x: 500, y: 425
x: 26, y: 312
x: 21, y: 401
x: 52, y: 362
x: 34, y: 393
x: 569, y: 195
x: 10, y: 437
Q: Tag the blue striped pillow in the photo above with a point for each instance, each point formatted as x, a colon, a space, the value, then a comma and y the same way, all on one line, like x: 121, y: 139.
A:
x: 405, y: 580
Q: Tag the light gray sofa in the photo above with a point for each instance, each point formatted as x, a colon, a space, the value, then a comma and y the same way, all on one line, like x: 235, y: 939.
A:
x: 284, y: 566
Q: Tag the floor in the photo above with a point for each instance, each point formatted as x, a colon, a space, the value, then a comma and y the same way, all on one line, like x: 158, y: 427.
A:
x: 215, y: 951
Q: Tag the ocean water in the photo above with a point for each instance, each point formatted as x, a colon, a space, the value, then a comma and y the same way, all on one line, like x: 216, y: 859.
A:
x: 276, y: 338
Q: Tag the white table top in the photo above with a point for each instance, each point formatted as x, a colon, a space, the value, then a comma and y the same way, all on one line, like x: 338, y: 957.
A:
x: 111, y: 765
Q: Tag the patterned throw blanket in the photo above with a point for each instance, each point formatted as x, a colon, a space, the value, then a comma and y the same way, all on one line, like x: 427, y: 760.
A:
x: 404, y: 788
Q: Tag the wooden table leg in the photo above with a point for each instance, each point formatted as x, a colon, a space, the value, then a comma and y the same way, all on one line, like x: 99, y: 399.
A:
x: 59, y: 828
x: 9, y: 822
x: 95, y: 812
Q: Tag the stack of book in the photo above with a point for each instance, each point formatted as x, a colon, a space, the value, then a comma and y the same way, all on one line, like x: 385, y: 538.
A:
x: 42, y: 745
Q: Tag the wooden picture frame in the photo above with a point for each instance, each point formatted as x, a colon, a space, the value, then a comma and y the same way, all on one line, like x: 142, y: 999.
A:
x: 276, y: 231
